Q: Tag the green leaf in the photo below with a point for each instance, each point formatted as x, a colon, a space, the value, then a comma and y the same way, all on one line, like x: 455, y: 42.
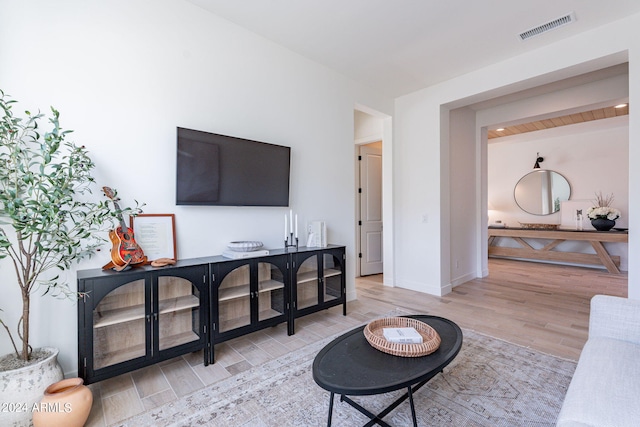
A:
x: 45, y: 198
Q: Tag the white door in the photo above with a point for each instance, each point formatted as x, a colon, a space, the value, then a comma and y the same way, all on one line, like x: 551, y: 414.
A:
x: 370, y: 210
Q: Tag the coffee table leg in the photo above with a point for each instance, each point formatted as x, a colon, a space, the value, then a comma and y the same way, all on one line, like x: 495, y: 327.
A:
x: 413, y: 408
x: 330, y: 409
x: 375, y: 419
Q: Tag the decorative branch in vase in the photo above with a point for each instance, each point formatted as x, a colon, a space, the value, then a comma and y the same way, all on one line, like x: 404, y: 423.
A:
x: 603, y: 216
x: 48, y: 220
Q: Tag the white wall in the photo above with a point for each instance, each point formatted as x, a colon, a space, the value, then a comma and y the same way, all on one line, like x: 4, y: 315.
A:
x: 463, y: 190
x: 592, y: 156
x: 125, y: 73
x: 367, y: 128
x: 422, y: 145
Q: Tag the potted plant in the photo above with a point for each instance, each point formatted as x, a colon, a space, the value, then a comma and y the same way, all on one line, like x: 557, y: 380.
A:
x: 47, y: 221
x: 602, y: 215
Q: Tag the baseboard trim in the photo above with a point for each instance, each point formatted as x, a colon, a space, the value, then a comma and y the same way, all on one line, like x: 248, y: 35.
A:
x: 462, y: 279
x: 422, y: 287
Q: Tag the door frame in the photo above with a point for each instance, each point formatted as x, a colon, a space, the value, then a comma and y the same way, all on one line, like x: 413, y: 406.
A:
x: 386, y: 136
x: 359, y: 194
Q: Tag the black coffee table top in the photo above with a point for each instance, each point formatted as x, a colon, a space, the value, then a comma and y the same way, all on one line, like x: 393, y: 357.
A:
x: 349, y: 365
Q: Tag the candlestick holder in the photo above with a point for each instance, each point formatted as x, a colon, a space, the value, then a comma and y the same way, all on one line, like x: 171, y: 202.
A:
x: 288, y: 245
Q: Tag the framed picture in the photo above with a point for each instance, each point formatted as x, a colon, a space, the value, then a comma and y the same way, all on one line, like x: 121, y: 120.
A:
x: 156, y: 235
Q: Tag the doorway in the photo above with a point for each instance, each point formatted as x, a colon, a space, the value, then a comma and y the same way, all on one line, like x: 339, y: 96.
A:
x: 370, y: 223
x: 373, y: 134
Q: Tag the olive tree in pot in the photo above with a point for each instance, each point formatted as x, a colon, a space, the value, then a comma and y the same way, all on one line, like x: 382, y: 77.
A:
x: 48, y: 220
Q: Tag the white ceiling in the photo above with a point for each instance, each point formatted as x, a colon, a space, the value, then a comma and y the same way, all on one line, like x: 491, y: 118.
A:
x: 400, y: 46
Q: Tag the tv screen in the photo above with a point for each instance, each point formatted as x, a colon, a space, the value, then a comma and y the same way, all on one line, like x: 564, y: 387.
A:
x: 220, y: 170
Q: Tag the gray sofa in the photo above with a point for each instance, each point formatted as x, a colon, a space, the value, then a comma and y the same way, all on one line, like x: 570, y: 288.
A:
x: 605, y: 389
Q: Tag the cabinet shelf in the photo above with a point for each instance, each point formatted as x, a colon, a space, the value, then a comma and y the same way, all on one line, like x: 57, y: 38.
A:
x: 135, y: 351
x: 270, y: 285
x: 179, y: 303
x: 178, y: 339
x: 328, y: 297
x: 308, y: 302
x: 312, y: 276
x: 330, y: 272
x: 103, y: 359
x: 229, y: 324
x: 307, y: 276
x: 137, y: 312
x: 241, y: 291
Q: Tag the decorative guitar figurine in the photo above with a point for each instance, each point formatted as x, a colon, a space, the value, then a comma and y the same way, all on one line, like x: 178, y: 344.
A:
x: 125, y: 250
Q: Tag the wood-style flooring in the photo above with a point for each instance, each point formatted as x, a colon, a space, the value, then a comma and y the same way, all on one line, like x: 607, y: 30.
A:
x: 542, y: 306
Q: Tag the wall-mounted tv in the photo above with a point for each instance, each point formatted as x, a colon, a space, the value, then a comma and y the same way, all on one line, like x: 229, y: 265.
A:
x: 220, y: 170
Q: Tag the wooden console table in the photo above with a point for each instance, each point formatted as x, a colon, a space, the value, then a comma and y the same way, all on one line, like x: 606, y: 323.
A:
x: 596, y: 238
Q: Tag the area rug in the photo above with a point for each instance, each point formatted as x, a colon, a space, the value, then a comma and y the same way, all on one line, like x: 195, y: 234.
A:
x: 490, y: 383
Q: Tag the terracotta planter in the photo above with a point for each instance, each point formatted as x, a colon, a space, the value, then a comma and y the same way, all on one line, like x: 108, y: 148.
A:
x: 66, y: 403
x: 21, y: 389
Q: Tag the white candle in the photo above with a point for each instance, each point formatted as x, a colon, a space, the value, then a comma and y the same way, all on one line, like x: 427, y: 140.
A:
x: 296, y: 226
x: 290, y: 220
x: 285, y: 226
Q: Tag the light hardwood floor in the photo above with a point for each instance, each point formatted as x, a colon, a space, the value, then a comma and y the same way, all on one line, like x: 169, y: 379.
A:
x: 542, y: 306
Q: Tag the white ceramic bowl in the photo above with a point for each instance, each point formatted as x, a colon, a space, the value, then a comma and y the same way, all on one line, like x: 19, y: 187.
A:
x: 244, y: 246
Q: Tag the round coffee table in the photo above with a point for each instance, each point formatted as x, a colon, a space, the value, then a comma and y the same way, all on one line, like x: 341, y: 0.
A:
x: 349, y: 365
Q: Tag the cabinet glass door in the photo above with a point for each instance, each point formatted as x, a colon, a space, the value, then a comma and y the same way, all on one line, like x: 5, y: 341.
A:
x: 119, y: 325
x: 234, y: 299
x: 270, y: 291
x: 178, y: 312
x: 332, y: 277
x: 307, y: 283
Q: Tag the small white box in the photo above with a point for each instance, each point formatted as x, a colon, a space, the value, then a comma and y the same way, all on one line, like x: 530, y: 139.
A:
x: 402, y: 335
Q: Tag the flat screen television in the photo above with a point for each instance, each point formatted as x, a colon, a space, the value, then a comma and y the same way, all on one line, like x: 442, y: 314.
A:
x: 220, y: 170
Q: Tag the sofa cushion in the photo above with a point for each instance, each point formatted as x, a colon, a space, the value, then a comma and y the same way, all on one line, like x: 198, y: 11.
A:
x: 605, y: 387
x: 615, y: 317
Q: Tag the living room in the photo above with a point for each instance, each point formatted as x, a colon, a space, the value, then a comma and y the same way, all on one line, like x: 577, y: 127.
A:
x: 125, y: 74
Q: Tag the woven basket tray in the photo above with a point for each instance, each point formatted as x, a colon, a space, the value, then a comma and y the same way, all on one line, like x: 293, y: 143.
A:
x: 430, y: 338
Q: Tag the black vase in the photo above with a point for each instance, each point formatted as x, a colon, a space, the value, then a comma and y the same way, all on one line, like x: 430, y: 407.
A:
x: 603, y: 224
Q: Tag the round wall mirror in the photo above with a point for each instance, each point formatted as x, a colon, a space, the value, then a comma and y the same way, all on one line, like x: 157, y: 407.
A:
x: 541, y: 191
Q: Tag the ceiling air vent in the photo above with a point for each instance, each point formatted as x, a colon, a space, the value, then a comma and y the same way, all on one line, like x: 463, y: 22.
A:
x: 556, y: 23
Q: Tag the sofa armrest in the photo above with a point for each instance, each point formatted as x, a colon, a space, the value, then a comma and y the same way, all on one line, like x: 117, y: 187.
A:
x: 615, y: 317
